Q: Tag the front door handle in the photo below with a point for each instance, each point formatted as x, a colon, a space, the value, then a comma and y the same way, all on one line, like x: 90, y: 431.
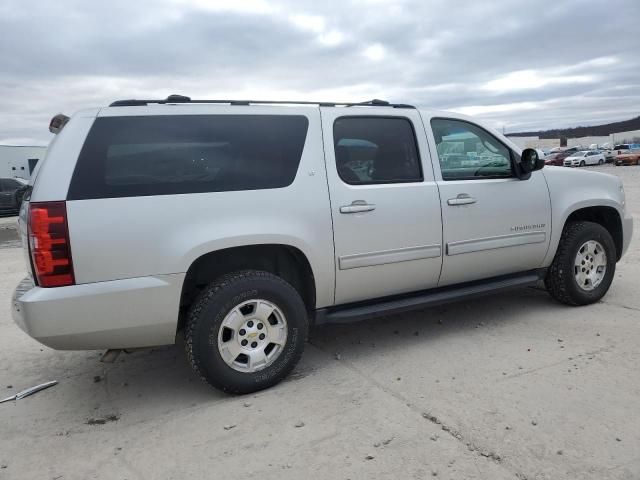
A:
x: 357, y: 206
x: 462, y: 199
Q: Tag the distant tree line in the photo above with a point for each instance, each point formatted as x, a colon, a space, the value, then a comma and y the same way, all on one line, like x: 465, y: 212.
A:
x: 592, y: 131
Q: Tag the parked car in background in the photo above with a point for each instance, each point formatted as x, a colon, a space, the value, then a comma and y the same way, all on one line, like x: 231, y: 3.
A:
x: 587, y: 157
x: 605, y: 149
x: 557, y: 158
x: 609, y: 156
x: 11, y: 193
x: 627, y: 154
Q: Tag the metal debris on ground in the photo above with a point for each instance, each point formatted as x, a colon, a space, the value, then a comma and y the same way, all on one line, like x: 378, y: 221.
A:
x: 29, y: 391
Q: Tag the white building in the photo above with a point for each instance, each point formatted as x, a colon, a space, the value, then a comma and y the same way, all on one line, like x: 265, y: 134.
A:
x: 19, y: 161
x: 535, y: 142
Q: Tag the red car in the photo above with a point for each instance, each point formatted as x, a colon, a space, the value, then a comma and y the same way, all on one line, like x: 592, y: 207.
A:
x: 627, y: 154
x: 557, y: 158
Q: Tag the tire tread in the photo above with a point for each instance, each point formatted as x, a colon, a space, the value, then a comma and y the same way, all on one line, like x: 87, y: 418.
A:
x: 558, y: 277
x: 194, y: 319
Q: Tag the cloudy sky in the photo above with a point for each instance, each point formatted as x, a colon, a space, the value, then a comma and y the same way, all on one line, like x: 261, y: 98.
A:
x: 518, y: 64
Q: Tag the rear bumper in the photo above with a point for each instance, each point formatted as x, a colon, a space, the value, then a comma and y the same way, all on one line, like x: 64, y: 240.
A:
x: 129, y: 313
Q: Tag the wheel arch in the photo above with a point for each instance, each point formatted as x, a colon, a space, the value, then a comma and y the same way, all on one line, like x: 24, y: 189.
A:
x: 286, y: 261
x: 607, y: 216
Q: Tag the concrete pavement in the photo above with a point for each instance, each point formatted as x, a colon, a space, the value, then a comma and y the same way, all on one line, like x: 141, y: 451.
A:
x: 512, y: 386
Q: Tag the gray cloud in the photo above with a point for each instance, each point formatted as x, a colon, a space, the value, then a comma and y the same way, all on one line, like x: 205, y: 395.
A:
x: 516, y: 63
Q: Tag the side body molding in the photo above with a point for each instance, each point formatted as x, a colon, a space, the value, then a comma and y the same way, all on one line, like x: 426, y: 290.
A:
x: 491, y: 243
x: 389, y: 256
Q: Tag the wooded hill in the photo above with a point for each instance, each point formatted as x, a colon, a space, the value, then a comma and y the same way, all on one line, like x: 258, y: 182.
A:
x: 592, y: 131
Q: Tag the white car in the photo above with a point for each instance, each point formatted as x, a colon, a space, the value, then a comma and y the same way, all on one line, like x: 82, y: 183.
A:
x: 587, y: 157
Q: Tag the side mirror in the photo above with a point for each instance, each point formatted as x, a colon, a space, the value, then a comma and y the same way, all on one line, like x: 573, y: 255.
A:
x: 20, y: 193
x: 529, y: 161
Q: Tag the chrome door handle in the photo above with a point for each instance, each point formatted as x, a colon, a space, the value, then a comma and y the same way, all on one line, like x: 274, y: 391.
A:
x: 462, y: 199
x: 357, y: 206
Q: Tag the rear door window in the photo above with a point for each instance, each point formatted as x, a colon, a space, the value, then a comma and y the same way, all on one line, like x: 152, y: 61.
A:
x: 173, y: 154
x: 373, y: 150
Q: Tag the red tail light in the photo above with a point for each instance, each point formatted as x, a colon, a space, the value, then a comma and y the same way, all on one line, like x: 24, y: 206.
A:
x: 49, y: 244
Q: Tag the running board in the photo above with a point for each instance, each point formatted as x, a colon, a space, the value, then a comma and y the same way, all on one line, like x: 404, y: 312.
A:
x: 428, y: 298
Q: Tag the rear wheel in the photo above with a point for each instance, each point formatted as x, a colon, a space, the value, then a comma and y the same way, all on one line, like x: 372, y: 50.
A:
x: 584, y: 265
x: 600, y: 162
x: 246, y: 331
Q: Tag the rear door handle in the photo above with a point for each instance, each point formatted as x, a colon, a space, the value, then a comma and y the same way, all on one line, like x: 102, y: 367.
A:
x: 357, y: 206
x: 462, y: 199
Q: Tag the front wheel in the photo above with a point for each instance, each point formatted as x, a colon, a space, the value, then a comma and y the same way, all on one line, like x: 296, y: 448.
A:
x: 246, y: 331
x: 582, y: 163
x: 584, y: 265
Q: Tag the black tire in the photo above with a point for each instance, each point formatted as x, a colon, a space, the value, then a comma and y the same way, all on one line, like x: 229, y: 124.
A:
x: 600, y: 162
x: 582, y: 163
x: 211, y: 307
x: 560, y: 279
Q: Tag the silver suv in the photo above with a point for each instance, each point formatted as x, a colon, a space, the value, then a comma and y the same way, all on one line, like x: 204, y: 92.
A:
x: 239, y: 224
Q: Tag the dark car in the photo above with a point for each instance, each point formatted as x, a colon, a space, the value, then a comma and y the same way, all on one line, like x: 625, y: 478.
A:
x: 11, y: 192
x: 557, y: 158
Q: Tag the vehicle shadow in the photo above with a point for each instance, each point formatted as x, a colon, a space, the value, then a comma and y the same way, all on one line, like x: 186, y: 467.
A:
x: 155, y: 381
x: 433, y: 324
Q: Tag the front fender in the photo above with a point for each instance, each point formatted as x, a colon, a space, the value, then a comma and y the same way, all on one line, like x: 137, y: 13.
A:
x: 571, y: 190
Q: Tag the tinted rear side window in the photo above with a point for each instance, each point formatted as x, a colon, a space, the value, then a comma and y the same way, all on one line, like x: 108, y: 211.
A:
x: 372, y: 150
x: 171, y: 154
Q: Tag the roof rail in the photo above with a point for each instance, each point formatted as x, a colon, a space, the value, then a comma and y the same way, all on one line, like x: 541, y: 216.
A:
x: 172, y: 99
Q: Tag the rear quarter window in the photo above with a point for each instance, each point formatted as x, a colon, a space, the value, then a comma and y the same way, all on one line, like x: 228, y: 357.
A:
x: 173, y: 154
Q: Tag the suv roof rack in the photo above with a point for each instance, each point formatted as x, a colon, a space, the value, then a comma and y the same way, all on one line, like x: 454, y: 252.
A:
x: 182, y: 99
